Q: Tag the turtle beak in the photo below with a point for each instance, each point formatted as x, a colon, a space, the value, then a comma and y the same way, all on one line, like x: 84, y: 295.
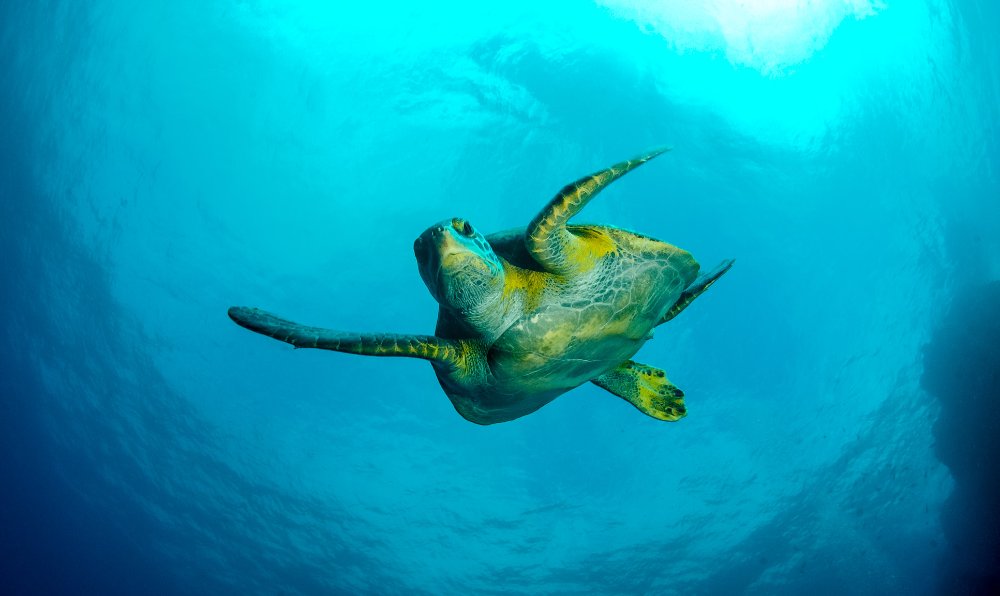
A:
x: 438, y: 238
x: 423, y: 249
x: 432, y: 249
x: 428, y: 247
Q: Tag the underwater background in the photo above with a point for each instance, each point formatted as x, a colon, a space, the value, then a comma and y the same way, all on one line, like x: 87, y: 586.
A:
x: 162, y: 161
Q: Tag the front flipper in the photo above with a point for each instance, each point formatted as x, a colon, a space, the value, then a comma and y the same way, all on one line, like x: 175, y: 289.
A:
x: 696, y: 289
x: 427, y: 347
x: 547, y: 239
x: 646, y: 388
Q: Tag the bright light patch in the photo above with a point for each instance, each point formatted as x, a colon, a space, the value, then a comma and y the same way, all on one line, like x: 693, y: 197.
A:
x: 768, y: 35
x: 784, y: 72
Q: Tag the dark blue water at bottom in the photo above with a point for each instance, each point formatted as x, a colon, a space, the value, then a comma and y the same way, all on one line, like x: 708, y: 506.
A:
x: 163, y: 161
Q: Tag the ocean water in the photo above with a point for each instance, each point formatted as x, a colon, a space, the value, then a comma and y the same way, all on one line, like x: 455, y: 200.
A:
x: 162, y: 161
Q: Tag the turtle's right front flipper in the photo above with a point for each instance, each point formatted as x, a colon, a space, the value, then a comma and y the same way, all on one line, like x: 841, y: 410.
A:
x: 427, y: 347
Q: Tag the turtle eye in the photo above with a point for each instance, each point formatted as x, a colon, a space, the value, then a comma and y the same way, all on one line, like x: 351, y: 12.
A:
x: 465, y: 229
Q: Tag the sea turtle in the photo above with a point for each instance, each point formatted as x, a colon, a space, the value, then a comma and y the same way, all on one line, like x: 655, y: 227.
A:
x: 528, y: 314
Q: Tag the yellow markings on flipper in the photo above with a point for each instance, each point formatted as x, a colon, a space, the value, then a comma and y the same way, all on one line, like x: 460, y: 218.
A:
x: 661, y: 400
x: 589, y: 245
x: 547, y: 238
x: 552, y: 244
x: 646, y: 388
x: 454, y: 354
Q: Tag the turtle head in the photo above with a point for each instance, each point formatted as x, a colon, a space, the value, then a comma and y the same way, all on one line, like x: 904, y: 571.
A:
x: 459, y: 266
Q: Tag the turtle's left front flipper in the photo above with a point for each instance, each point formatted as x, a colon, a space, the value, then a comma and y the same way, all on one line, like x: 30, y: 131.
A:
x: 646, y: 388
x: 427, y: 347
x: 547, y: 238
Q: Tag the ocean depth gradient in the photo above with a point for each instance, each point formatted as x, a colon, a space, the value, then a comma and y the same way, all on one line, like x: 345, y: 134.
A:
x: 162, y: 161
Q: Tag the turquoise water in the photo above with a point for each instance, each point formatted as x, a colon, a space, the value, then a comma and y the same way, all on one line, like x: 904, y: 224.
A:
x: 162, y: 161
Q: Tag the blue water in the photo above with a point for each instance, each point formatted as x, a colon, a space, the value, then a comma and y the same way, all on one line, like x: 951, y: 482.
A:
x: 162, y: 161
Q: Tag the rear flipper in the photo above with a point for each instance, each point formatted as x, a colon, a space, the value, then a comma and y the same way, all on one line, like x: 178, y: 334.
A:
x: 696, y: 289
x: 646, y: 388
